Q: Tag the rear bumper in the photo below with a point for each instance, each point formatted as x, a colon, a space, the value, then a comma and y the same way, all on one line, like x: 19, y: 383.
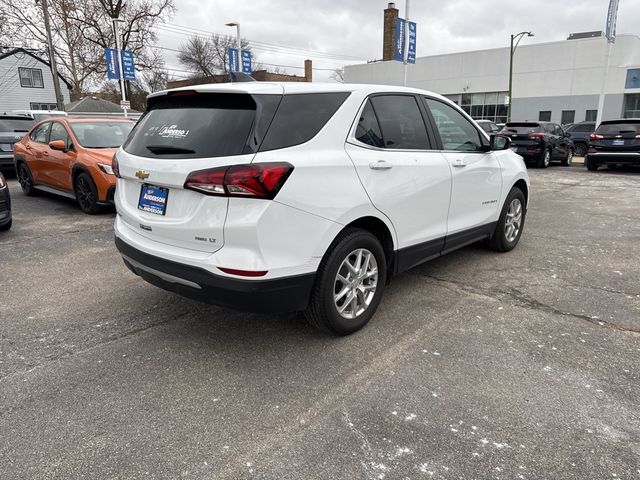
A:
x: 625, y: 158
x: 6, y: 159
x: 287, y: 294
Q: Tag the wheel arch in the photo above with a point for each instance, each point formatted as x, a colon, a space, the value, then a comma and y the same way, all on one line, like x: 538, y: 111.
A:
x: 522, y: 185
x: 76, y: 170
x: 382, y: 232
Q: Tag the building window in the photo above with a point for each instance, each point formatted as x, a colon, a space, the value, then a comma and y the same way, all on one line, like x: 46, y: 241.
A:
x: 631, y: 105
x: 591, y: 116
x: 31, y: 77
x: 43, y: 106
x: 568, y: 116
x: 489, y: 106
x: 544, y: 116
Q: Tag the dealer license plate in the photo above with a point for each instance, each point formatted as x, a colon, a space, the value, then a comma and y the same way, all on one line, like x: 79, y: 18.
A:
x: 153, y: 199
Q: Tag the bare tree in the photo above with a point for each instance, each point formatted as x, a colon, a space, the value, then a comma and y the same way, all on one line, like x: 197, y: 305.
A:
x: 338, y: 75
x: 208, y: 56
x: 81, y: 31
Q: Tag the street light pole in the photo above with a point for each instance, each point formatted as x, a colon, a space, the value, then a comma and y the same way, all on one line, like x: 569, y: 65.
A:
x: 52, y: 58
x: 517, y: 37
x: 405, y: 58
x: 119, y: 54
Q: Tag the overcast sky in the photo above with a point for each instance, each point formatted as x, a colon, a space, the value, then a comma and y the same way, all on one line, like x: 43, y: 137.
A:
x: 338, y: 33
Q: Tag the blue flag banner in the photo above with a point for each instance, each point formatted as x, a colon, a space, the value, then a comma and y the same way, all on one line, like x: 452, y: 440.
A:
x: 128, y: 64
x: 399, y: 41
x: 246, y: 62
x: 233, y: 60
x: 411, y: 54
x: 112, y: 63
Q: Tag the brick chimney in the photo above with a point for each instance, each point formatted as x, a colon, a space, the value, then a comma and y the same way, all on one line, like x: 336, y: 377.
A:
x: 308, y: 71
x: 389, y: 32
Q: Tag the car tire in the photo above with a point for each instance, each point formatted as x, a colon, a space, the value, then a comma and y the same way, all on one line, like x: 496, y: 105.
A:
x: 343, y: 268
x: 566, y: 161
x: 6, y: 226
x: 581, y: 149
x: 510, y: 223
x: 86, y: 193
x: 591, y: 165
x: 25, y: 179
x: 545, y: 159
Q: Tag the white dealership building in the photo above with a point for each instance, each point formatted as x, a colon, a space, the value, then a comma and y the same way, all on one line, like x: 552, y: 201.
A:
x: 556, y: 81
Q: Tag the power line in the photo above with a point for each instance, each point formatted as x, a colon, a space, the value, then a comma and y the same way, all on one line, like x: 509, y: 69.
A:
x: 188, y: 31
x: 263, y: 63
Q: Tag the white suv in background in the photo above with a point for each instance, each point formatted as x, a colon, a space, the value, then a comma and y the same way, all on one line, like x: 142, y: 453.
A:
x: 304, y: 196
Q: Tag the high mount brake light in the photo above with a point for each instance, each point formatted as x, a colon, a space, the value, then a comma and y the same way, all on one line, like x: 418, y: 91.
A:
x: 255, y: 180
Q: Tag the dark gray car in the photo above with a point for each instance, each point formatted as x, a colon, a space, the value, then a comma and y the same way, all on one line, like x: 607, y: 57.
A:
x: 579, y: 133
x: 12, y: 129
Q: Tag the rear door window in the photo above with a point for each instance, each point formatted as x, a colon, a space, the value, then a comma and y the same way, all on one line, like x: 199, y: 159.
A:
x: 300, y: 117
x: 401, y: 122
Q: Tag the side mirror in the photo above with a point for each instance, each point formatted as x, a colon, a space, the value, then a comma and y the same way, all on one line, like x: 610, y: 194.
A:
x: 498, y: 142
x: 58, y: 145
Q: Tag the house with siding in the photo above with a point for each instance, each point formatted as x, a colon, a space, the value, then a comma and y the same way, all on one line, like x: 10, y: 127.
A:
x: 26, y: 82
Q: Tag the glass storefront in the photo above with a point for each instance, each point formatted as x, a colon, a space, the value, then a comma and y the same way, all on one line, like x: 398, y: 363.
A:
x: 490, y: 106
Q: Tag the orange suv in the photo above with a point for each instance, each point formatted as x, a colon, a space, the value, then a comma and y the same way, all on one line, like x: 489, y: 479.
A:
x: 71, y: 157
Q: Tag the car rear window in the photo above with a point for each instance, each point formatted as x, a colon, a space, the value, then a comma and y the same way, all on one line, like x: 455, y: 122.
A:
x: 194, y: 125
x: 300, y: 117
x: 101, y: 134
x: 522, y: 128
x: 618, y: 128
x: 15, y: 124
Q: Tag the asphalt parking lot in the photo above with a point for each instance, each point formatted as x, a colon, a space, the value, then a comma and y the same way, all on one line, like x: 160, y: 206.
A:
x: 478, y: 365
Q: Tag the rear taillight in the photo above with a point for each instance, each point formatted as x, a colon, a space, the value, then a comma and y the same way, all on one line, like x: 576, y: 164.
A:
x: 594, y: 137
x: 255, y: 180
x: 536, y: 136
x: 114, y: 165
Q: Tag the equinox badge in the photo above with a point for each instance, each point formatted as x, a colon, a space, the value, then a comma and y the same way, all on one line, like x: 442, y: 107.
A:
x: 142, y: 174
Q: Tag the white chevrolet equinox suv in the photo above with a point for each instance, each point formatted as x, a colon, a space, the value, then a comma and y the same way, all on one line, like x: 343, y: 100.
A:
x: 276, y: 197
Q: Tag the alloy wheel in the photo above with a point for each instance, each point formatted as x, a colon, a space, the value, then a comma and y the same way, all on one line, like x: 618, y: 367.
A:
x: 355, y: 284
x: 513, y: 220
x: 84, y: 193
x: 24, y: 178
x: 547, y: 158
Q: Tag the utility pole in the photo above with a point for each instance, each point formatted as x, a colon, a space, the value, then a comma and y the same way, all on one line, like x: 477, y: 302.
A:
x: 119, y: 54
x: 52, y: 57
x: 405, y: 59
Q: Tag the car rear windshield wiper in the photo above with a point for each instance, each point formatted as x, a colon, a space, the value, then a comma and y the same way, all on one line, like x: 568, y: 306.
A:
x: 167, y: 149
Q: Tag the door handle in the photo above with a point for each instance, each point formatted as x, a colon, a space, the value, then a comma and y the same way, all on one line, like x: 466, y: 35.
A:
x: 459, y: 162
x: 380, y: 165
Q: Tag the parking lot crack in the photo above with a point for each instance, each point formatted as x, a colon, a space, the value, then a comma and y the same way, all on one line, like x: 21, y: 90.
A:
x: 523, y: 300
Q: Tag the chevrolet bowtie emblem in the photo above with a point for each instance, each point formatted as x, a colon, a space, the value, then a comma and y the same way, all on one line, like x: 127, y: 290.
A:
x: 141, y: 174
